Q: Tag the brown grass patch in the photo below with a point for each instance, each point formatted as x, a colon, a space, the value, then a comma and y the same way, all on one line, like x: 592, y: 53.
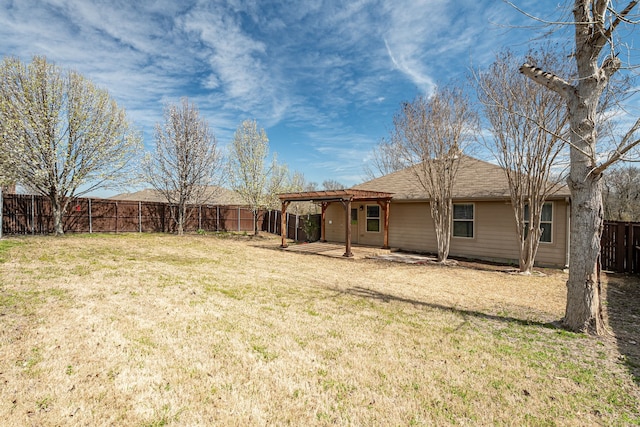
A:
x: 154, y: 330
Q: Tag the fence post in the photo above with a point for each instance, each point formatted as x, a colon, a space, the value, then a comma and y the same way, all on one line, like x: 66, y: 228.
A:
x: 630, y: 247
x: 1, y: 211
x: 199, y: 217
x: 90, y: 221
x: 33, y: 215
x: 217, y: 217
x: 116, y: 217
x: 139, y: 217
x: 297, y: 225
x: 239, y: 219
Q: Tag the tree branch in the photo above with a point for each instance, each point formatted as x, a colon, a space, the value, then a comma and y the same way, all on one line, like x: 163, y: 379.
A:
x: 620, y: 17
x: 550, y: 80
x: 623, y: 148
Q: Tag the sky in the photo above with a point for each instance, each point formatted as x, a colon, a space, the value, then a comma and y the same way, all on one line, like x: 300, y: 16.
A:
x: 323, y: 78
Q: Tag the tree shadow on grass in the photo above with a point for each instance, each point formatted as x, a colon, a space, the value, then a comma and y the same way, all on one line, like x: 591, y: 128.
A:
x: 380, y: 296
x: 623, y: 312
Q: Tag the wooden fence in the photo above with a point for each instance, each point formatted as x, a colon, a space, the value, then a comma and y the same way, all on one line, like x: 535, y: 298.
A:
x: 27, y: 214
x: 620, y: 247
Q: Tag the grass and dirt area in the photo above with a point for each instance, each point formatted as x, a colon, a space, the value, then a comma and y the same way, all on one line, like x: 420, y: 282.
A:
x: 153, y: 330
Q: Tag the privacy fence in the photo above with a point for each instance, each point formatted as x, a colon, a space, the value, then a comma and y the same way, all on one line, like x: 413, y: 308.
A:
x: 28, y: 214
x: 621, y: 247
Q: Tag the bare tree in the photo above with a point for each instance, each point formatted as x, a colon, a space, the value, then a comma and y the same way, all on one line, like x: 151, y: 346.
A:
x: 622, y: 194
x: 526, y: 124
x: 185, y: 163
x: 594, y: 23
x: 385, y: 159
x: 431, y: 134
x: 256, y: 180
x: 64, y: 136
x: 332, y: 184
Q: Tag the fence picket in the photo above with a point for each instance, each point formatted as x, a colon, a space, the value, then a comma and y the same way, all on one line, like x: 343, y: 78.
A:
x: 28, y: 214
x: 620, y: 247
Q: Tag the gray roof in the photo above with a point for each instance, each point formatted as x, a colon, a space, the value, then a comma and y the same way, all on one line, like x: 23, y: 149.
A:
x: 215, y: 196
x: 476, y: 179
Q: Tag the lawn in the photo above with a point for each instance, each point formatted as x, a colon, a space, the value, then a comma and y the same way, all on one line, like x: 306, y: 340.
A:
x: 153, y: 330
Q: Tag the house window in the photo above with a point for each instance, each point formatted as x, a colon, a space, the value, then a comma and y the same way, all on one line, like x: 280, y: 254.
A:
x: 546, y: 220
x: 373, y: 218
x: 463, y: 220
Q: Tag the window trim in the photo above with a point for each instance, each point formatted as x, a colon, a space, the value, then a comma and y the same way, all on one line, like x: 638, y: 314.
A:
x: 553, y: 209
x: 367, y: 218
x: 472, y: 220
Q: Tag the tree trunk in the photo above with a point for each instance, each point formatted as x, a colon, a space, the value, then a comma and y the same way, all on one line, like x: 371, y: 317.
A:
x: 442, y: 224
x: 584, y: 306
x: 180, y: 220
x: 57, y: 209
x: 255, y: 224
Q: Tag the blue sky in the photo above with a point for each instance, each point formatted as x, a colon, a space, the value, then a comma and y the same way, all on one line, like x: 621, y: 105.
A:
x: 323, y: 78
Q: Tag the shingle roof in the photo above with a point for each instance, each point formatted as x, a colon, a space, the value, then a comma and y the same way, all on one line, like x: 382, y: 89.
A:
x: 216, y: 196
x: 342, y: 194
x: 476, y: 179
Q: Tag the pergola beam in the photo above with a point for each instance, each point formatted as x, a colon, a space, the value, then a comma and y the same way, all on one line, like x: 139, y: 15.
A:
x: 346, y: 197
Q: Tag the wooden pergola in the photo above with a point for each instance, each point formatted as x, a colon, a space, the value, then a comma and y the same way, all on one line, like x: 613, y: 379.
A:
x: 345, y: 198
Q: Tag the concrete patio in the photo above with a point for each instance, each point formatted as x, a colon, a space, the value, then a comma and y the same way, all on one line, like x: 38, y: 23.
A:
x: 336, y: 250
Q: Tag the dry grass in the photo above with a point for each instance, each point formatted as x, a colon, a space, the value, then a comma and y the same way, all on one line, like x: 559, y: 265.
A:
x: 153, y: 330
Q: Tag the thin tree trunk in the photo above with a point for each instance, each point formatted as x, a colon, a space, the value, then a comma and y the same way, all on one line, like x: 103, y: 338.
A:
x: 180, y: 221
x: 57, y: 210
x: 255, y: 224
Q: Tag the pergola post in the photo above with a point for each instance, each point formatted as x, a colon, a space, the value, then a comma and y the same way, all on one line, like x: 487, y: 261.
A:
x: 283, y: 223
x: 385, y: 212
x: 347, y: 217
x: 323, y: 216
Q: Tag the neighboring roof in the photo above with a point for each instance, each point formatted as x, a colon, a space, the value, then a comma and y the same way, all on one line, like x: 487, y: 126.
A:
x: 476, y: 179
x: 335, y: 195
x: 215, y: 196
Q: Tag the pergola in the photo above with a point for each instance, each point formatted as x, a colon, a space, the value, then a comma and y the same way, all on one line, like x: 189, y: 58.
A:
x: 345, y: 197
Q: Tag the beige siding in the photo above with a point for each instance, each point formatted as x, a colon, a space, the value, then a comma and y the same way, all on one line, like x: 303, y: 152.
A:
x: 494, y: 232
x: 495, y: 236
x: 411, y: 229
x: 334, y: 223
x: 554, y: 252
x: 335, y: 226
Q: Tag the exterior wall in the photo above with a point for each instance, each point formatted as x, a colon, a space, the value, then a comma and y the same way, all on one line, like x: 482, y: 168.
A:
x: 411, y: 228
x: 335, y: 225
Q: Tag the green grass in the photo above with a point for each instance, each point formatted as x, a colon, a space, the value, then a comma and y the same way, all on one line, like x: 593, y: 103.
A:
x: 5, y: 248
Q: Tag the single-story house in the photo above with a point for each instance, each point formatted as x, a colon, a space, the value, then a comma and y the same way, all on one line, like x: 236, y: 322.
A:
x: 393, y: 211
x: 213, y: 196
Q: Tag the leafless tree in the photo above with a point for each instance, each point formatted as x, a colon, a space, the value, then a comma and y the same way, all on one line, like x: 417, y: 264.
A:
x: 384, y: 160
x: 622, y: 194
x: 250, y: 174
x: 431, y: 135
x: 184, y: 166
x: 526, y: 122
x: 61, y: 136
x: 332, y: 184
x: 594, y: 23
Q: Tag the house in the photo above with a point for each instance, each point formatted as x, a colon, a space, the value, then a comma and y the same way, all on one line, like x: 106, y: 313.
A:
x: 393, y: 211
x: 213, y: 196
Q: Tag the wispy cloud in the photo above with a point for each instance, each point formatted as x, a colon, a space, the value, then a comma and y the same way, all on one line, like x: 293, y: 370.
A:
x: 323, y: 74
